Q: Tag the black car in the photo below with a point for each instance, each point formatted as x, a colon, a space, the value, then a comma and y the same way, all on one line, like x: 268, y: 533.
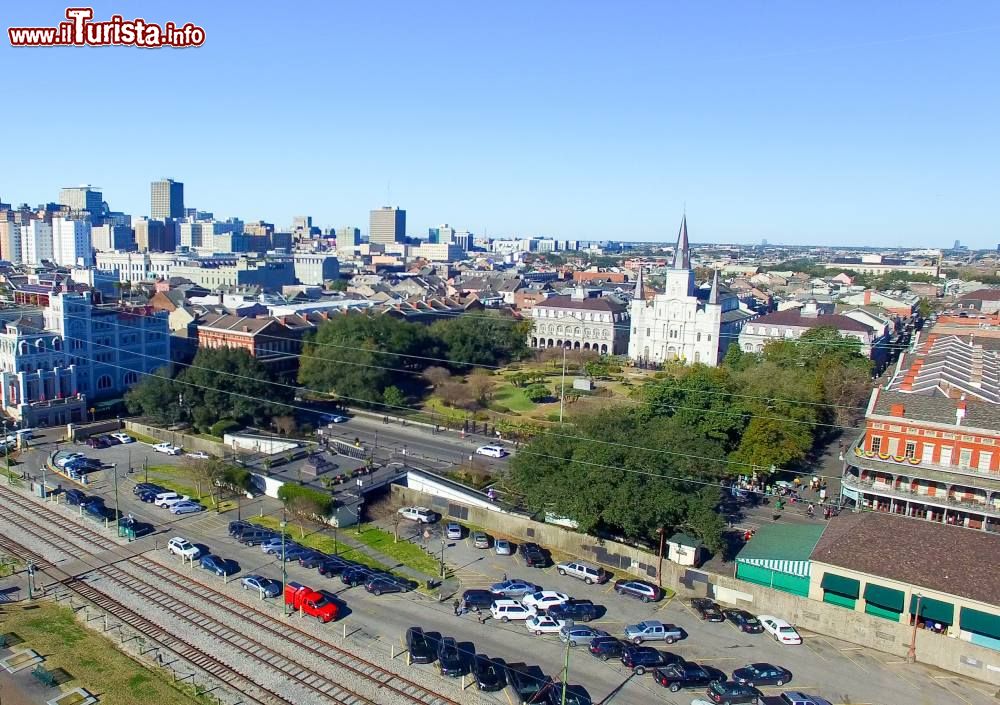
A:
x: 334, y: 566
x: 236, y: 528
x: 577, y: 611
x: 420, y: 647
x: 75, y: 497
x: 477, y: 600
x: 575, y: 695
x: 687, y: 675
x: 313, y: 559
x: 762, y: 674
x: 606, y: 647
x: 98, y: 442
x: 730, y: 693
x: 527, y: 682
x: 148, y: 496
x: 95, y: 508
x: 146, y: 487
x: 294, y: 553
x: 379, y: 584
x: 450, y: 658
x: 744, y: 621
x: 645, y: 658
x: 707, y: 610
x: 357, y: 575
x: 535, y: 556
x: 489, y: 674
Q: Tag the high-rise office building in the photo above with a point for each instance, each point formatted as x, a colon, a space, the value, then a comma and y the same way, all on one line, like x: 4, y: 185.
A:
x: 10, y: 241
x: 36, y: 242
x: 83, y: 198
x: 110, y: 238
x: 166, y: 199
x: 387, y: 225
x: 154, y: 235
x: 71, y: 243
x: 348, y: 237
x: 443, y: 234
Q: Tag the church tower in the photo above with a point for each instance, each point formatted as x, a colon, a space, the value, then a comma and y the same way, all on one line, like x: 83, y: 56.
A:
x: 680, y: 278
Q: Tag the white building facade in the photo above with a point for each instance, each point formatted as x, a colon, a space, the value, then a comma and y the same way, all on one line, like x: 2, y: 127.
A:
x: 71, y: 243
x: 580, y: 322
x: 36, y: 242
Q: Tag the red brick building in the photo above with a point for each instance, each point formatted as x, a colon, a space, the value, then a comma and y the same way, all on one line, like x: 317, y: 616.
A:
x: 266, y: 339
x: 931, y: 446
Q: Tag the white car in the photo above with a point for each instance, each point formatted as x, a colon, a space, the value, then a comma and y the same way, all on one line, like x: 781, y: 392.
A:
x: 122, y: 437
x: 543, y: 599
x: 782, y: 631
x: 491, y: 451
x: 183, y: 548
x: 169, y: 499
x: 199, y: 455
x: 68, y: 458
x: 167, y: 448
x: 541, y: 624
x: 506, y: 610
x: 422, y: 515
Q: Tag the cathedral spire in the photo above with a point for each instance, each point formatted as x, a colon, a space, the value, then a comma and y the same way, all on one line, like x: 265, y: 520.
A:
x: 682, y: 253
x: 713, y: 296
x: 638, y: 294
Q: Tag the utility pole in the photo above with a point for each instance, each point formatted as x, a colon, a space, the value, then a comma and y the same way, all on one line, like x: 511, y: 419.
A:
x: 442, y: 558
x: 118, y: 514
x: 562, y: 394
x: 284, y: 567
x: 6, y: 454
x: 659, y: 567
x: 911, y: 655
x: 565, y: 675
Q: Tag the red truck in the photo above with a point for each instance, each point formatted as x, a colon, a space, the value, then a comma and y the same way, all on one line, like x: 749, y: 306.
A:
x: 304, y: 598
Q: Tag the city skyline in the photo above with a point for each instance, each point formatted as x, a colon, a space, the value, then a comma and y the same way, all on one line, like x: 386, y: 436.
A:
x: 847, y: 125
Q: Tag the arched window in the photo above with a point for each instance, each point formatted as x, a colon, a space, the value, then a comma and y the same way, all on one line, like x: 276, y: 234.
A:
x: 57, y: 343
x: 129, y: 378
x: 39, y: 344
x: 23, y: 348
x: 104, y: 382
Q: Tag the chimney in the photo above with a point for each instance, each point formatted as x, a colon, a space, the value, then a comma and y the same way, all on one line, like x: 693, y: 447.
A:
x: 896, y: 410
x: 960, y: 411
x: 868, y: 296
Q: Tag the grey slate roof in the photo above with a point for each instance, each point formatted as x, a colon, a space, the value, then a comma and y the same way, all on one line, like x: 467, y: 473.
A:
x: 938, y: 409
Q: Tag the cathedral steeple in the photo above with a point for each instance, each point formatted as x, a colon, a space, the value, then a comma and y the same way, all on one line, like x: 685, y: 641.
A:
x: 713, y: 296
x: 682, y: 253
x: 638, y: 294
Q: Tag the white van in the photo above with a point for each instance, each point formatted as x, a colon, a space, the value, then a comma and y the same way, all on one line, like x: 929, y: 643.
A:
x: 491, y: 451
x: 506, y: 610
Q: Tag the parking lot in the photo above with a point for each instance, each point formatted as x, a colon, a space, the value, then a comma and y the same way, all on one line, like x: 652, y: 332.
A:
x: 841, y: 672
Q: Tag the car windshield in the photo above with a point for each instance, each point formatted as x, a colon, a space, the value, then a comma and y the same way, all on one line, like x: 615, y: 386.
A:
x: 718, y: 687
x: 750, y: 620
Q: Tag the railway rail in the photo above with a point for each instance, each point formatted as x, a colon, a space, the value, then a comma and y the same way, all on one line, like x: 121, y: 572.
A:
x: 75, y: 537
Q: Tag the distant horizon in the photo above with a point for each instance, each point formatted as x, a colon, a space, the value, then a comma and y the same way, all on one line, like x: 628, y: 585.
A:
x: 799, y: 123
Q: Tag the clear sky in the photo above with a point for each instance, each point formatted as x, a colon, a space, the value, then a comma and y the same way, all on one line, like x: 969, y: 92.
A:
x: 798, y: 122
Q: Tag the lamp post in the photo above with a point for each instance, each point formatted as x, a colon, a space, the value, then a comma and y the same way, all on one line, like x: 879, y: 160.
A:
x: 562, y: 394
x: 114, y: 469
x: 911, y: 655
x: 284, y: 568
x: 443, y: 541
x: 6, y: 454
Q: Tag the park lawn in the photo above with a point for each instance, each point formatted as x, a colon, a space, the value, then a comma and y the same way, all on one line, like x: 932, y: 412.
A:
x: 143, y: 438
x: 409, y: 554
x: 320, y: 541
x: 166, y: 475
x: 441, y: 412
x: 512, y: 397
x: 92, y: 660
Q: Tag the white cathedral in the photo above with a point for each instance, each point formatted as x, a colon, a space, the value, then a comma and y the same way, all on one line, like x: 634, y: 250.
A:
x: 685, y: 322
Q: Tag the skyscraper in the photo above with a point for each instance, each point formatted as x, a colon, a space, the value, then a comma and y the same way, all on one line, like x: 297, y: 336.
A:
x: 71, y: 242
x: 166, y: 199
x: 387, y: 225
x: 83, y: 198
x: 443, y: 234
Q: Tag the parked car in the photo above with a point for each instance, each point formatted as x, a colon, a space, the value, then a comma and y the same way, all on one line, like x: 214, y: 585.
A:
x: 334, y: 565
x: 477, y: 600
x: 356, y: 575
x: 420, y: 647
x: 606, y: 647
x: 653, y: 630
x: 639, y: 589
x: 454, y: 531
x: 535, y: 556
x: 149, y: 496
x: 575, y: 695
x: 295, y: 553
x: 265, y: 587
x: 122, y: 437
x: 74, y: 497
x: 744, y: 621
x: 198, y: 455
x: 491, y: 451
x: 503, y: 547
x: 309, y: 601
x: 421, y: 515
x: 586, y: 572
x: 506, y: 610
x: 575, y: 611
x: 489, y: 674
x: 730, y: 693
x: 686, y: 675
x: 782, y: 631
x: 707, y: 610
x: 380, y: 584
x: 273, y: 545
x: 214, y: 564
x: 762, y: 674
x: 542, y: 624
x: 450, y: 658
x: 640, y: 659
x: 141, y: 487
x: 527, y: 682
x: 514, y: 587
x: 186, y: 507
x: 98, y: 442
x: 543, y: 599
x: 236, y: 528
x: 94, y: 506
x: 576, y: 634
x: 480, y: 539
x: 313, y: 559
x: 180, y: 546
x: 256, y: 536
x: 793, y: 697
x: 165, y: 499
x: 167, y: 448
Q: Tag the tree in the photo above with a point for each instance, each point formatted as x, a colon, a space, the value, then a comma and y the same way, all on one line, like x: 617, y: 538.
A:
x: 537, y: 393
x: 208, y: 472
x: 393, y: 398
x: 284, y: 424
x: 437, y: 375
x: 924, y: 307
x: 481, y: 384
x: 601, y: 367
x: 155, y: 396
x: 484, y: 339
x: 336, y: 285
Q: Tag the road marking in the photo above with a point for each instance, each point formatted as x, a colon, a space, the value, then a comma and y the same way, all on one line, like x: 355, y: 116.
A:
x: 806, y: 644
x: 953, y: 691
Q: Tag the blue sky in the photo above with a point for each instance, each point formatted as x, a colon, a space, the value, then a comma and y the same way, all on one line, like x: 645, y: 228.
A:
x: 847, y: 122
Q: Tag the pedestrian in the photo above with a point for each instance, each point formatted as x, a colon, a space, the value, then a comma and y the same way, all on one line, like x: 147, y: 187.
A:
x: 822, y: 494
x: 458, y: 607
x: 746, y: 535
x: 505, y: 576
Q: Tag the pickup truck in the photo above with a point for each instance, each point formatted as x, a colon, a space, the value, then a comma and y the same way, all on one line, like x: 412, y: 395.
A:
x: 304, y: 598
x: 651, y: 630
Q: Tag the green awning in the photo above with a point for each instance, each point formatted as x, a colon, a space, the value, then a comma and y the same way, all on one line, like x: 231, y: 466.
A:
x: 933, y: 609
x: 884, y: 597
x: 848, y: 587
x: 980, y: 622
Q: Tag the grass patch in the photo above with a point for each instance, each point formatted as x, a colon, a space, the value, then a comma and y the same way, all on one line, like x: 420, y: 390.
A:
x: 321, y: 541
x: 92, y: 660
x: 513, y: 398
x: 409, y: 554
x: 172, y: 477
x: 143, y: 438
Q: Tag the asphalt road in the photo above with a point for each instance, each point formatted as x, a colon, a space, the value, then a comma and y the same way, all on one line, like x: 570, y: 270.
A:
x: 839, y: 671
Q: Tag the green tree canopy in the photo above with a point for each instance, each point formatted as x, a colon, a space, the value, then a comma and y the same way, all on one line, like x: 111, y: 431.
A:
x: 488, y: 338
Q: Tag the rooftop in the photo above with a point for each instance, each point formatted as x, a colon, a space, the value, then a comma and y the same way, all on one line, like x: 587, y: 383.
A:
x: 600, y: 303
x: 948, y: 559
x: 788, y: 542
x: 794, y: 317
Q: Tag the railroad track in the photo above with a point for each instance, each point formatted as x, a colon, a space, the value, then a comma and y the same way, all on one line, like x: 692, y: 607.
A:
x: 300, y: 640
x: 75, y: 538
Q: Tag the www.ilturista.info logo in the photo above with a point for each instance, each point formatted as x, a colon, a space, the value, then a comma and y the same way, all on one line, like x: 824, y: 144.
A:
x: 80, y: 31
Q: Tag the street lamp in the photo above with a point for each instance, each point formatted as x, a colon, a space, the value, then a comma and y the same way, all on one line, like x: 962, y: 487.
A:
x: 284, y: 567
x: 114, y: 469
x: 442, y: 556
x: 6, y: 453
x: 562, y: 394
x: 911, y: 655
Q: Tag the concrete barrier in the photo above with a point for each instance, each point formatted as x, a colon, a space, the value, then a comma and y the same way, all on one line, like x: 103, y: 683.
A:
x: 179, y: 438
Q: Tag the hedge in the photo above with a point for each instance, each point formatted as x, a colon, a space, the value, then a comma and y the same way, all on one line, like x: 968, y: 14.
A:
x: 323, y: 500
x: 221, y: 428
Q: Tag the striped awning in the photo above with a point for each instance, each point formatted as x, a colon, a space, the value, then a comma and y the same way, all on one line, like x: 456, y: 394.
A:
x: 799, y: 568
